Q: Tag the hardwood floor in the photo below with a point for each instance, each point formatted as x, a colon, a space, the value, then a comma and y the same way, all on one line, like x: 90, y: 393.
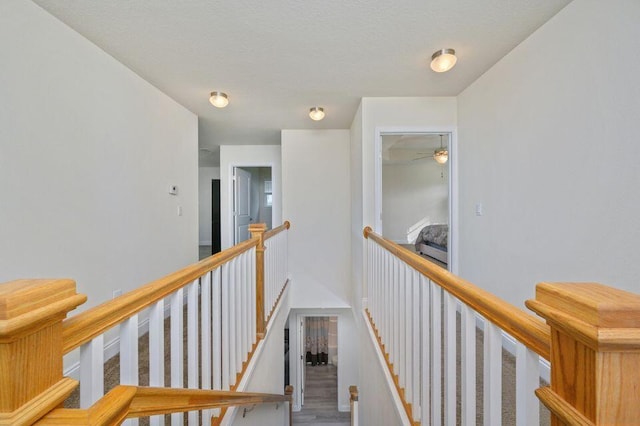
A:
x: 321, y: 399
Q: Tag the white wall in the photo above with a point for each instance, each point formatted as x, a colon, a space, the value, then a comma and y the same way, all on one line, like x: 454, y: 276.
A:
x: 410, y: 193
x: 88, y: 150
x: 549, y: 145
x: 355, y: 164
x: 316, y: 190
x: 268, y: 374
x: 248, y: 156
x: 205, y: 175
x: 375, y: 401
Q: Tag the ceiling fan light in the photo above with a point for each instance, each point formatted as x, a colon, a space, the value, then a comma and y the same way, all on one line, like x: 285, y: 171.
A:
x: 443, y: 60
x: 441, y: 156
x: 219, y: 99
x: 316, y: 113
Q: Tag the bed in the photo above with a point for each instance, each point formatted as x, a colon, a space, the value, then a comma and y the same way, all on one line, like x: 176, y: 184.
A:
x: 433, y: 241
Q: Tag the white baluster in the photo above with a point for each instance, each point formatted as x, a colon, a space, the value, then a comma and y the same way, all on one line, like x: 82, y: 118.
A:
x: 527, y: 381
x: 156, y: 352
x: 425, y: 349
x: 129, y: 356
x: 206, y: 336
x: 216, y: 331
x: 193, y: 369
x: 401, y: 316
x: 242, y: 307
x: 436, y: 359
x: 388, y: 332
x: 91, y: 371
x: 416, y: 338
x: 177, y: 360
x: 468, y: 368
x: 225, y: 346
x: 252, y: 284
x: 395, y: 346
x: 450, y: 360
x: 409, y: 346
x: 492, y: 374
x: 232, y: 322
x: 238, y: 311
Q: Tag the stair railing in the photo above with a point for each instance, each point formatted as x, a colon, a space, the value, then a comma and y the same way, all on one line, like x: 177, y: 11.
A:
x: 591, y: 339
x: 224, y: 321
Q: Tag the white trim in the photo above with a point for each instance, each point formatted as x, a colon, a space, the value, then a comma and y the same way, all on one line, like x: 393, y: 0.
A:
x: 205, y: 243
x: 274, y: 182
x: 390, y: 383
x: 452, y: 131
x: 298, y: 388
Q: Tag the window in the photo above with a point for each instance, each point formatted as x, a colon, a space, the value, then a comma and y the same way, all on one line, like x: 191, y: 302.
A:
x: 268, y: 193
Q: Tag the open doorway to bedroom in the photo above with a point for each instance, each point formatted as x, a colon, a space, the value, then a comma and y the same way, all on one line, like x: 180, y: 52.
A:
x: 252, y: 199
x: 415, y: 204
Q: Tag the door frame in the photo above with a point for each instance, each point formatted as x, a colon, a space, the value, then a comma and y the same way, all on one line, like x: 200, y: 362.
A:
x: 299, y: 386
x: 453, y: 181
x: 230, y: 231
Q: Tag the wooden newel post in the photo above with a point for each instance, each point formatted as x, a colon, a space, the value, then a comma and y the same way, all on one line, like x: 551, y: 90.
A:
x: 31, y: 315
x: 595, y: 353
x: 257, y: 230
x: 288, y: 390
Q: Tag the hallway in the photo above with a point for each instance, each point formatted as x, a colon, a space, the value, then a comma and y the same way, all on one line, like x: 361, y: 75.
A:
x: 321, y: 399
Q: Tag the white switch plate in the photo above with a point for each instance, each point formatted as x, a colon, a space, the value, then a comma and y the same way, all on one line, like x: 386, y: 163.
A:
x: 179, y: 210
x: 479, y: 209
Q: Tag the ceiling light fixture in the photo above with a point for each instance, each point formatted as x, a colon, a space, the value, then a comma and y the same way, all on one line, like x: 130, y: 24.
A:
x: 316, y: 113
x: 443, y: 60
x: 219, y: 99
x: 441, y: 155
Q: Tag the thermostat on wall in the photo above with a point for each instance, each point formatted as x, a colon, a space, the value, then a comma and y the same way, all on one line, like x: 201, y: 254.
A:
x: 173, y: 189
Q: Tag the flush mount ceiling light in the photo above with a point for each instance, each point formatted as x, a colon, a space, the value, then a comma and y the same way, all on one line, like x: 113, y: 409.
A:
x: 316, y: 113
x: 441, y: 155
x: 443, y: 60
x: 219, y: 99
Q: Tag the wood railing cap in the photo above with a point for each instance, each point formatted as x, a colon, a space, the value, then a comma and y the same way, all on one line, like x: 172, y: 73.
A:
x: 593, y: 303
x: 25, y: 304
x: 353, y: 391
x: 256, y: 227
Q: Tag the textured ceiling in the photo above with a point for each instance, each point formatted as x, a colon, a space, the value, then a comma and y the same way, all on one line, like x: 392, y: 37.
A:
x: 278, y: 58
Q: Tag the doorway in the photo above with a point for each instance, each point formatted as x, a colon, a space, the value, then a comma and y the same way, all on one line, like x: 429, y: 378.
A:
x: 318, y: 363
x: 252, y: 199
x: 415, y: 194
x: 215, y: 217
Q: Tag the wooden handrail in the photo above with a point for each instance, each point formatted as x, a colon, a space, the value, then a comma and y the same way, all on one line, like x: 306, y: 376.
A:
x: 80, y: 329
x: 526, y: 328
x: 275, y: 231
x: 124, y: 402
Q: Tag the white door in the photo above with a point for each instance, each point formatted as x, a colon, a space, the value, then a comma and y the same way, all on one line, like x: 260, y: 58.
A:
x: 241, y: 204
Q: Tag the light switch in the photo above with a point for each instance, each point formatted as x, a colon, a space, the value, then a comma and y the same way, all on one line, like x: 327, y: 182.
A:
x: 479, y: 209
x: 179, y: 210
x: 173, y: 189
